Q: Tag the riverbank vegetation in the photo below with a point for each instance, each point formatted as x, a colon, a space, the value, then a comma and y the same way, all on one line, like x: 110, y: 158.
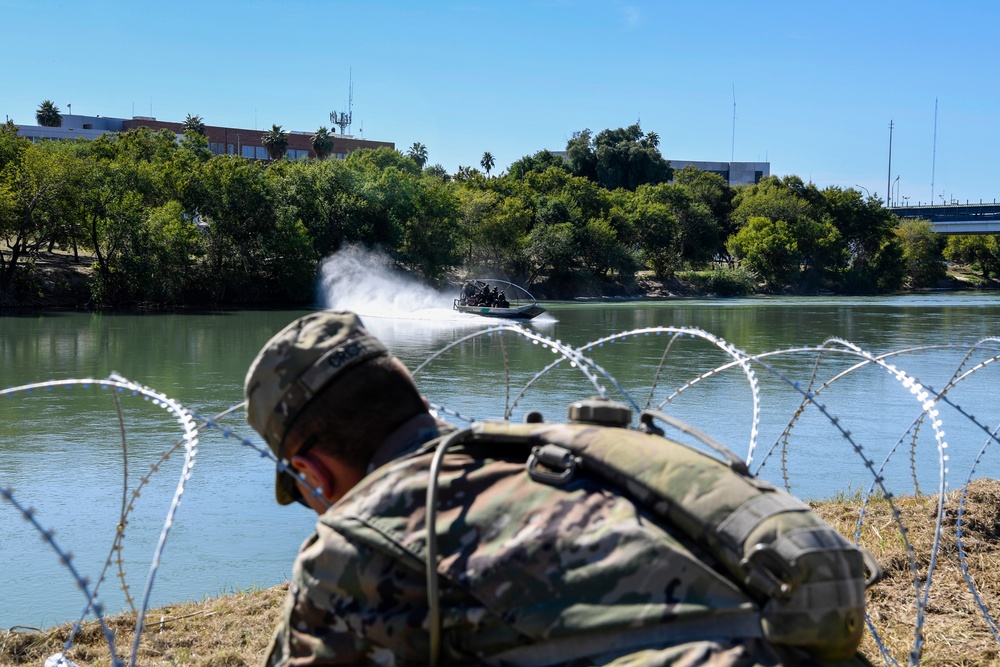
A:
x: 233, y: 630
x: 150, y: 220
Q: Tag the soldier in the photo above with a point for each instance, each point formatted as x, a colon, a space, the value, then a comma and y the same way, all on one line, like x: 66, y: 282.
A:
x: 524, y: 573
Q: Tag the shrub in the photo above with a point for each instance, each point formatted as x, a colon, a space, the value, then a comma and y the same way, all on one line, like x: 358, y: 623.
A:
x: 724, y: 281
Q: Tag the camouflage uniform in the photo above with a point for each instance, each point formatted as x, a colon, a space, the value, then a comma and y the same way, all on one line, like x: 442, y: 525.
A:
x: 531, y: 574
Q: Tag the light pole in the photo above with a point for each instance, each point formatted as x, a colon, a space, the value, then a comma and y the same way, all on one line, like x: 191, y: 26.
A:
x: 868, y: 194
x: 895, y: 185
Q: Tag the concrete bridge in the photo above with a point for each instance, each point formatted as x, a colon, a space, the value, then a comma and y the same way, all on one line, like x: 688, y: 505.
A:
x: 956, y: 218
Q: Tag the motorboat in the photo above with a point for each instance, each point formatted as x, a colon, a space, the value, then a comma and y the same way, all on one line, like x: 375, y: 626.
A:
x: 492, y: 297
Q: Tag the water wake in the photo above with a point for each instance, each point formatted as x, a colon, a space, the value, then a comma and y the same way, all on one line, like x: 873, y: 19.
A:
x: 365, y: 282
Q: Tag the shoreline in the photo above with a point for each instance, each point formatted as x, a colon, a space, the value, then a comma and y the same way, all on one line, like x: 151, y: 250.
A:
x: 62, y: 284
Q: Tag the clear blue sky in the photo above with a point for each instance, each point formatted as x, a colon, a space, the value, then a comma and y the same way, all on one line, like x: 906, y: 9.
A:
x: 816, y: 83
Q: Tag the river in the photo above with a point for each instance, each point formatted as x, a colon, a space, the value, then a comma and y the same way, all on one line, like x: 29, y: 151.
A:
x: 62, y: 448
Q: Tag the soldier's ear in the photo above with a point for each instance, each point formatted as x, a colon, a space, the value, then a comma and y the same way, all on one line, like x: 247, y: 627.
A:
x: 315, y: 473
x: 327, y: 473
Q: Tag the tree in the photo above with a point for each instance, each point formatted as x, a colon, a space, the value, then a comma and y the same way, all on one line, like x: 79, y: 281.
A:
x: 125, y: 178
x: 195, y: 145
x: 599, y: 249
x: 194, y: 124
x: 33, y: 187
x: 465, y: 174
x: 620, y: 158
x: 380, y: 159
x: 11, y: 145
x: 495, y: 228
x: 581, y: 156
x: 551, y: 250
x: 695, y: 237
x: 275, y: 141
x: 158, y: 262
x: 437, y: 171
x: 322, y: 143
x: 768, y: 248
x: 430, y: 243
x: 981, y: 251
x: 713, y: 191
x: 770, y: 198
x: 48, y: 115
x: 257, y: 249
x: 418, y: 153
x: 625, y: 161
x: 656, y: 229
x: 863, y: 222
x: 921, y: 253
x: 539, y: 162
x: 487, y: 162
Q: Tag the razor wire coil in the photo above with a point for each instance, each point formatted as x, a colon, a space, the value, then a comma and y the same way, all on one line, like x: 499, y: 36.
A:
x: 582, y: 360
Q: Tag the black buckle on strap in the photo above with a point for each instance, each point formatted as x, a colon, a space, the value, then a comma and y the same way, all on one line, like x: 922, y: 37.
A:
x: 551, y: 464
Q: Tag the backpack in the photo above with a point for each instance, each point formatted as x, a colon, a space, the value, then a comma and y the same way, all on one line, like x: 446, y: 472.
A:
x: 806, y: 582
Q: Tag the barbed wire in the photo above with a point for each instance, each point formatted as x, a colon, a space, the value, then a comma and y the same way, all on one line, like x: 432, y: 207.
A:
x: 580, y: 359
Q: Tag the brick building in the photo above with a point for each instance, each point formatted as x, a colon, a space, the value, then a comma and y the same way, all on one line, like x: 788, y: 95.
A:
x: 221, y: 140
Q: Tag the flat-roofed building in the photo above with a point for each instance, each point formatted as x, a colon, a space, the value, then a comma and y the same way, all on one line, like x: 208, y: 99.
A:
x: 221, y: 140
x: 735, y: 173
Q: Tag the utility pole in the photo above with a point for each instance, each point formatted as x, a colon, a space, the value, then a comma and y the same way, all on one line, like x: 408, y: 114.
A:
x: 888, y: 179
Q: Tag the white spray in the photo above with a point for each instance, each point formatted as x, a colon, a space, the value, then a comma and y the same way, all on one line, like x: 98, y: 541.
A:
x: 365, y: 282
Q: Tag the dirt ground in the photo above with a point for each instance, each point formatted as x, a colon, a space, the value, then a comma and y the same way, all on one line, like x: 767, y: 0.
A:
x: 59, y: 280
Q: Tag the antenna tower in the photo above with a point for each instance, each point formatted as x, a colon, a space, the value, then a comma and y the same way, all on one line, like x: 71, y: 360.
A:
x: 732, y: 153
x: 888, y: 179
x: 343, y: 119
x: 934, y: 150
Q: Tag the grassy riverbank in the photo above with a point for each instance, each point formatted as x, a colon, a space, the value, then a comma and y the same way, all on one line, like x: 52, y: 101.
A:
x: 234, y: 630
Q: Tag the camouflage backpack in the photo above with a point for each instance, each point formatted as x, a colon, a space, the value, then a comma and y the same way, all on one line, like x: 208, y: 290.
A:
x: 804, y: 580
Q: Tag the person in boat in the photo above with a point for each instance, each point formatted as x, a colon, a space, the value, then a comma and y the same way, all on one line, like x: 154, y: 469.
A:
x: 502, y: 301
x: 529, y: 573
x: 469, y: 294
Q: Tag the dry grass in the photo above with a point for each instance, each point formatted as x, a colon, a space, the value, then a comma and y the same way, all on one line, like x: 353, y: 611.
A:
x: 234, y: 631
x: 231, y: 631
x: 955, y: 631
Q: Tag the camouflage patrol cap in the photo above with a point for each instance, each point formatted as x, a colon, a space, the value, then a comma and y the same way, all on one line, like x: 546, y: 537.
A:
x: 295, y: 365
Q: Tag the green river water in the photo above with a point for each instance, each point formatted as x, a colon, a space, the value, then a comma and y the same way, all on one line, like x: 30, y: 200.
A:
x: 62, y: 448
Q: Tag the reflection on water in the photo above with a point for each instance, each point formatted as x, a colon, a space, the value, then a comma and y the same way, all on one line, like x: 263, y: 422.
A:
x: 62, y: 449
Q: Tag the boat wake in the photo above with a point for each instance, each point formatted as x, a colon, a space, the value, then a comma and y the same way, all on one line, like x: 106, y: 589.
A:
x: 365, y: 282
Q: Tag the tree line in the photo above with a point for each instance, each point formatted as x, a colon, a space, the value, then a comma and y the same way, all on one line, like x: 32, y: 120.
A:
x: 168, y: 223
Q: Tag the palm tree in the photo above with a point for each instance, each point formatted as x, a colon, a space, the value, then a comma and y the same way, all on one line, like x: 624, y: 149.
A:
x: 275, y: 141
x: 651, y: 139
x: 487, y: 162
x: 322, y: 143
x: 418, y: 153
x: 48, y: 115
x: 194, y: 124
